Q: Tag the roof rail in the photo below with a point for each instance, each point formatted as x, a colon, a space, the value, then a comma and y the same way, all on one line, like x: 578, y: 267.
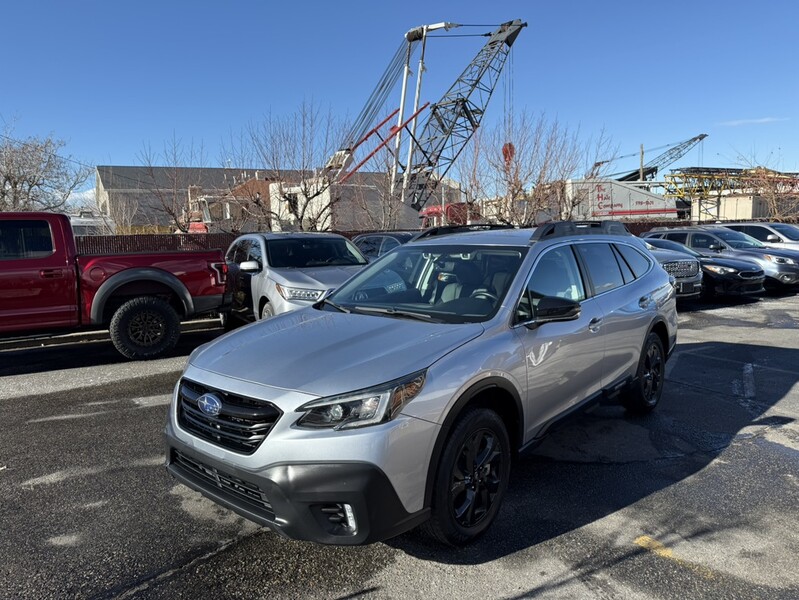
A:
x: 563, y: 228
x: 450, y: 229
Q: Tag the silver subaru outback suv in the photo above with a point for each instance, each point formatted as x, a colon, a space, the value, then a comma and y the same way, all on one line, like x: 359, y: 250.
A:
x: 399, y: 399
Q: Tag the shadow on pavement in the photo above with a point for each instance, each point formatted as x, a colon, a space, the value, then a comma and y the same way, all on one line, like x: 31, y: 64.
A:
x: 87, y: 354
x: 605, y: 460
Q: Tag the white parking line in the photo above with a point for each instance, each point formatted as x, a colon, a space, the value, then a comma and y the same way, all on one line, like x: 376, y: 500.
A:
x: 159, y: 400
x: 749, y: 381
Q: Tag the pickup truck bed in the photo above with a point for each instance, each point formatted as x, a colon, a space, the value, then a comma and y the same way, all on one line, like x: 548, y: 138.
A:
x: 45, y: 286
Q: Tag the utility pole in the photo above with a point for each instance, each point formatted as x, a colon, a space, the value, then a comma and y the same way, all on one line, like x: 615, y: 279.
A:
x: 641, y: 168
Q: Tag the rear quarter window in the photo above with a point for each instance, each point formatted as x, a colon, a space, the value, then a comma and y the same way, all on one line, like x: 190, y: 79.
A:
x: 638, y: 263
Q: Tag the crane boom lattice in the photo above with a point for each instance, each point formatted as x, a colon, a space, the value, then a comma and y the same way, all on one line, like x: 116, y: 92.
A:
x: 453, y: 120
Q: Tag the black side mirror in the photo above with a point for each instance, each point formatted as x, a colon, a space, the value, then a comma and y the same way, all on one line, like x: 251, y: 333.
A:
x: 551, y: 309
x: 715, y: 247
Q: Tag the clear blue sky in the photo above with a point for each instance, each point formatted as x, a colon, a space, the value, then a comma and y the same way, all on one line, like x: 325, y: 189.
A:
x: 111, y: 77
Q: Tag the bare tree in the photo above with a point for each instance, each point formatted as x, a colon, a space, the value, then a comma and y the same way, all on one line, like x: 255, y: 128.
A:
x: 779, y: 191
x: 172, y: 179
x: 293, y: 150
x: 34, y: 175
x: 526, y: 163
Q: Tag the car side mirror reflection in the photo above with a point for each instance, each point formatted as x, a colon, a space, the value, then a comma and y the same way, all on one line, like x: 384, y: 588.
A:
x: 551, y: 309
x: 250, y: 266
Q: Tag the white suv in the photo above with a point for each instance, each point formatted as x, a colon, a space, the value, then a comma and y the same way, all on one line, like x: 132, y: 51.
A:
x: 400, y: 399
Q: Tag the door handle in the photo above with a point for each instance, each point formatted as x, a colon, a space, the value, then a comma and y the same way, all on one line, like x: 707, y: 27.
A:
x: 51, y: 273
x: 594, y: 324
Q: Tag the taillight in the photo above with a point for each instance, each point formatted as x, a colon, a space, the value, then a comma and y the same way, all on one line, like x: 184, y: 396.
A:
x: 220, y: 272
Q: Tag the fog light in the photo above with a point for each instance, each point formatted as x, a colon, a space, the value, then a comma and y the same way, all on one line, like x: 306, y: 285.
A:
x: 351, y: 524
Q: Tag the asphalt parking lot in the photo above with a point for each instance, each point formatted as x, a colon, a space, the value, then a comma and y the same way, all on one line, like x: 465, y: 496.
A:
x: 699, y: 499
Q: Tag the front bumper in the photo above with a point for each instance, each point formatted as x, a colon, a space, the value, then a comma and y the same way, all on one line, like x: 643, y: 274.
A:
x: 734, y: 285
x: 783, y: 277
x: 688, y: 287
x: 328, y: 503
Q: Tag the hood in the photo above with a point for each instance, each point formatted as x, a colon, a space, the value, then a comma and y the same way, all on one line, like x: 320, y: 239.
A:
x: 759, y: 252
x: 732, y: 263
x: 315, y: 277
x: 324, y: 353
x: 671, y: 255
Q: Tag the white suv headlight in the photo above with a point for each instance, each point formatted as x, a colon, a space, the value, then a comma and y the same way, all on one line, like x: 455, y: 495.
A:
x: 290, y: 293
x: 780, y: 260
x: 365, y: 407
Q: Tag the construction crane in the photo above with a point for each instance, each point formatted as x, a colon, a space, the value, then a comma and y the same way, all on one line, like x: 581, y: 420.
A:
x: 650, y: 169
x: 449, y: 126
x: 454, y: 119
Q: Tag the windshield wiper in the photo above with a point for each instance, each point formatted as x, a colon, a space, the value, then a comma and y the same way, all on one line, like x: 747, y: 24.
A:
x: 393, y: 312
x: 336, y: 306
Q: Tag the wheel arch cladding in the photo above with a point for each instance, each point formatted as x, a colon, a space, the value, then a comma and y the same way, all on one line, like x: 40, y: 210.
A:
x: 139, y: 282
x: 494, y: 393
x: 659, y: 329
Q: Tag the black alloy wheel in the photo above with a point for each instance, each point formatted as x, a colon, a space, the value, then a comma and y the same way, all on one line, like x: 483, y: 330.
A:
x: 644, y: 393
x: 472, y: 478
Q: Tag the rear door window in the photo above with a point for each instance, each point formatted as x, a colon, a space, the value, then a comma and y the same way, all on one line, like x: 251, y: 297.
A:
x: 25, y: 239
x: 702, y: 241
x: 681, y: 238
x: 603, y: 268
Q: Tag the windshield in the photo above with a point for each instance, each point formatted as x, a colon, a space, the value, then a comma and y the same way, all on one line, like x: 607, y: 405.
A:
x: 789, y: 231
x: 669, y: 245
x: 302, y: 253
x: 736, y: 239
x: 439, y: 284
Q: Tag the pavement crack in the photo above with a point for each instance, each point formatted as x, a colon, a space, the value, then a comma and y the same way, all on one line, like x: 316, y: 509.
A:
x: 145, y: 583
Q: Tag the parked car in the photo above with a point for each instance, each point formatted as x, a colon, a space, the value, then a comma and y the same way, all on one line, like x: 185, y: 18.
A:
x: 400, y: 400
x: 685, y: 270
x: 776, y: 235
x: 273, y: 273
x: 720, y: 276
x: 373, y: 245
x: 47, y: 287
x: 780, y: 266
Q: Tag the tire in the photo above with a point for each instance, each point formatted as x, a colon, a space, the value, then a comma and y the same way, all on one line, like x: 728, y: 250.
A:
x: 643, y: 394
x: 267, y: 311
x: 227, y: 321
x: 145, y: 328
x: 471, y: 478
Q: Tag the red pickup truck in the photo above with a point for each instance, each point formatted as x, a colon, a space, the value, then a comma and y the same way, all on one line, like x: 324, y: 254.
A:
x: 47, y: 287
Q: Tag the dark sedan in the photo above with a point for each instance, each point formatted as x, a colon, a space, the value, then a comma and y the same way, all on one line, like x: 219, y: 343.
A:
x: 721, y: 276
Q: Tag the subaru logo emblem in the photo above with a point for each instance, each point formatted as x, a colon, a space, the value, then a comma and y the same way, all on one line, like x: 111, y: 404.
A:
x: 210, y: 404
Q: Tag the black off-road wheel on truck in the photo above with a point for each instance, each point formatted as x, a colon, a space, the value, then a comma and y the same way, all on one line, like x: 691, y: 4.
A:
x: 643, y: 394
x: 145, y: 328
x: 471, y: 478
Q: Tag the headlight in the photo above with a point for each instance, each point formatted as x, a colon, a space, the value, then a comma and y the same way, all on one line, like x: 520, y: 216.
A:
x: 290, y: 293
x: 720, y: 270
x: 780, y: 260
x: 366, y: 407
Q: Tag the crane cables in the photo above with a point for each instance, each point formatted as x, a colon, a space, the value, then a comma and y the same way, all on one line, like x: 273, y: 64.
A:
x: 377, y: 100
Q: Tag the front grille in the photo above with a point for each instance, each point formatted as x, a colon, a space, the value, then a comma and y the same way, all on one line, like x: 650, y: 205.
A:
x: 750, y: 274
x: 682, y: 268
x: 242, y: 491
x: 241, y: 425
